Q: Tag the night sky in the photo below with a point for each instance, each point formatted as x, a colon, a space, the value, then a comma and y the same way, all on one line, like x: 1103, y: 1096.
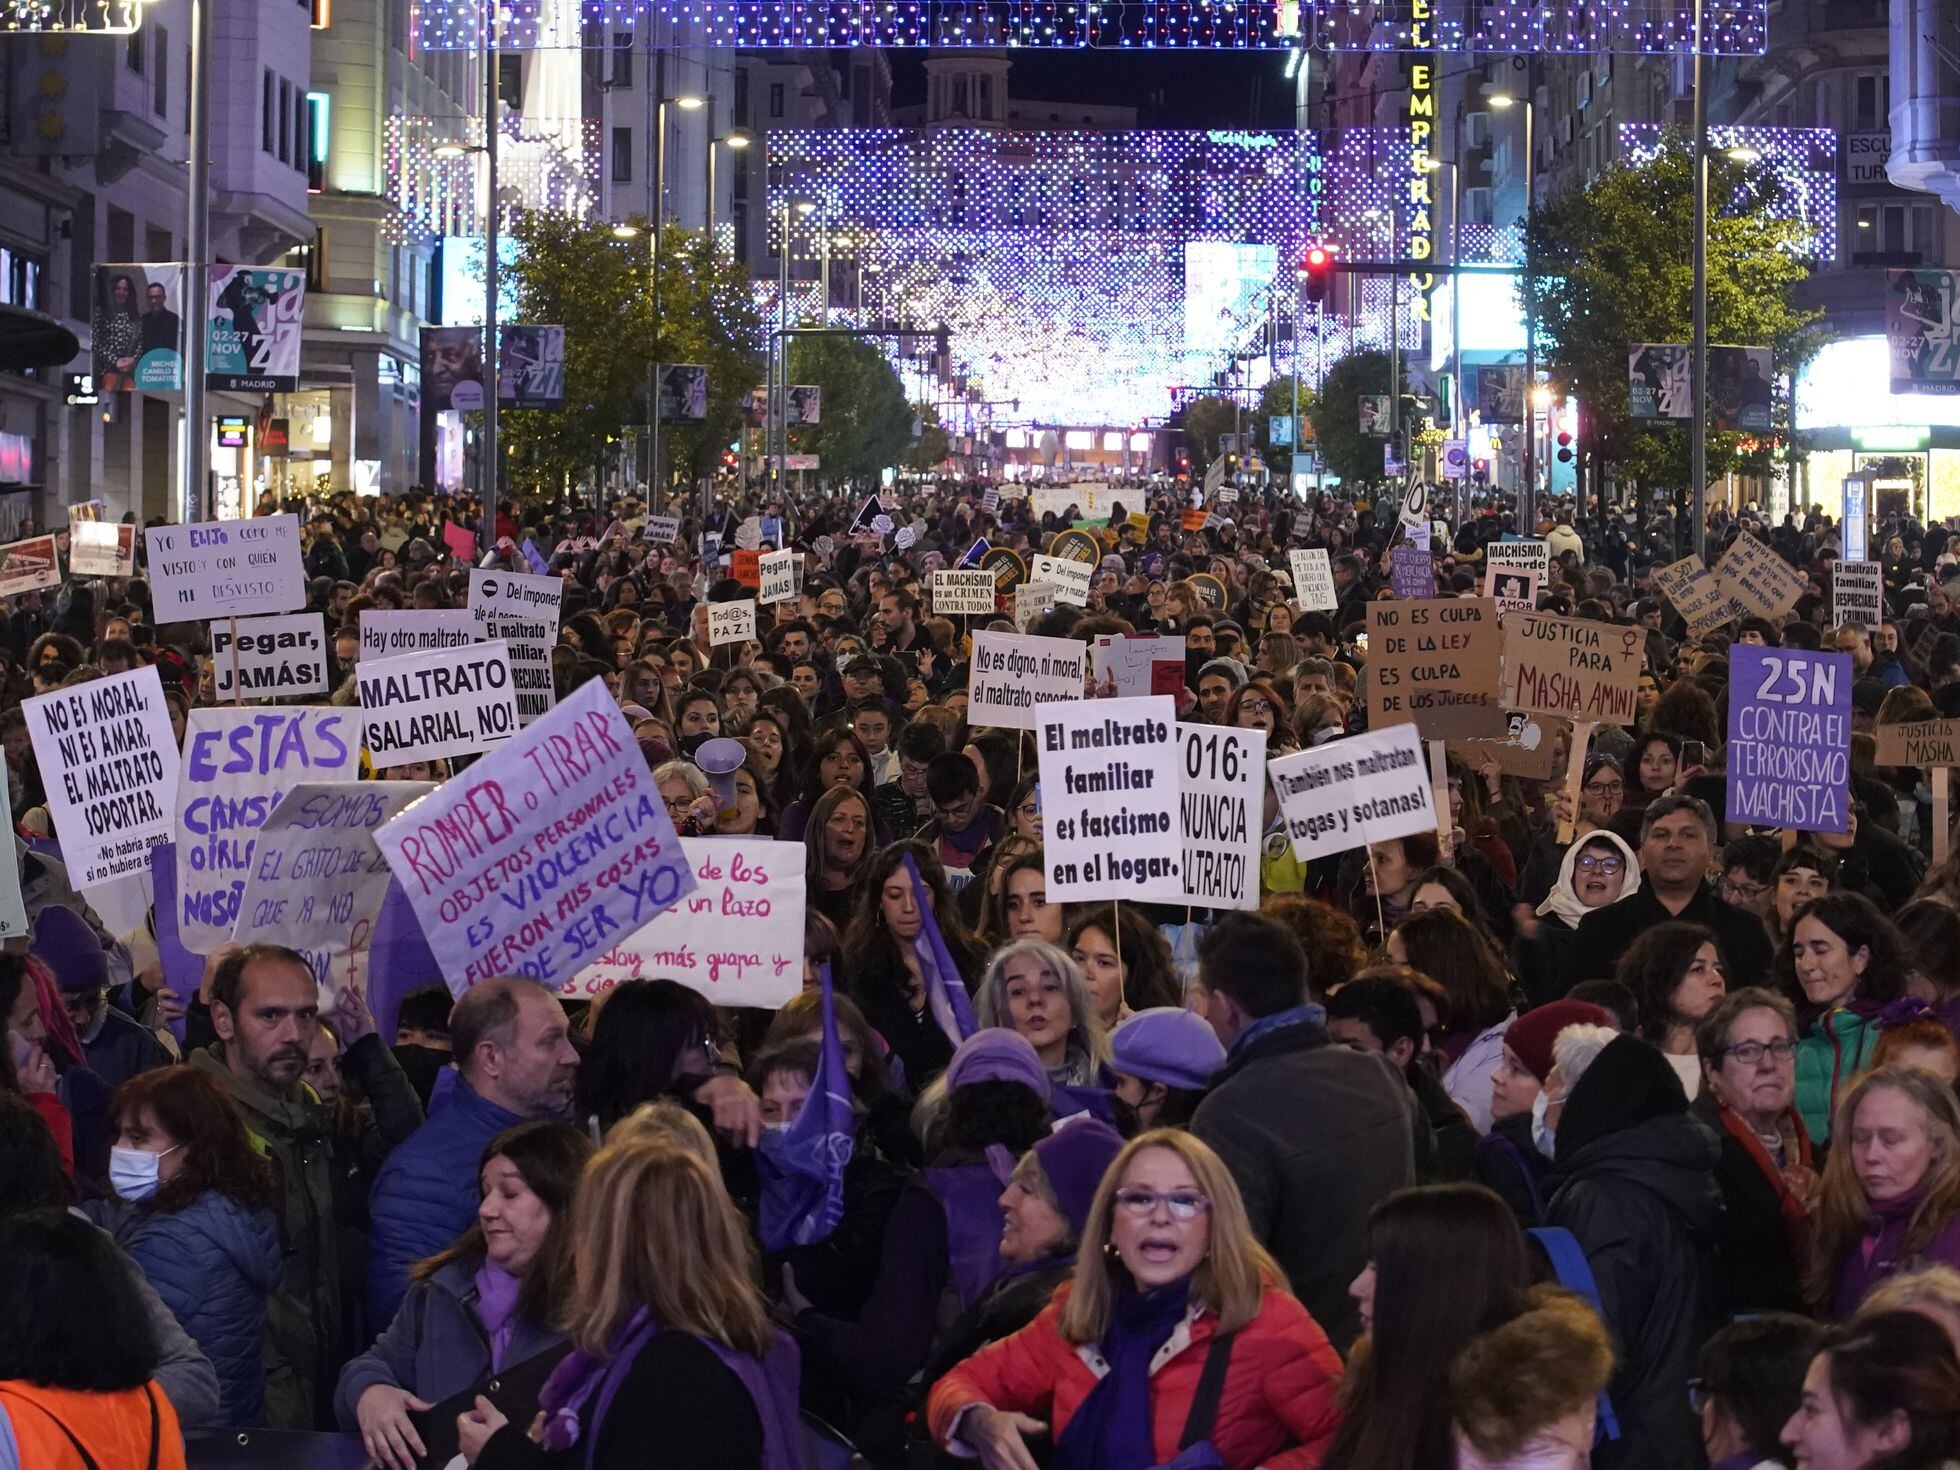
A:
x: 1183, y: 89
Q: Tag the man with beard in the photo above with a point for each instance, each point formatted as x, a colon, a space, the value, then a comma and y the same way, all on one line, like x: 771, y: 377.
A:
x: 265, y: 1008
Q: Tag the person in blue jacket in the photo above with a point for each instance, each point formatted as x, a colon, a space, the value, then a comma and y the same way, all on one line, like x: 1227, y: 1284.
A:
x: 196, y: 1208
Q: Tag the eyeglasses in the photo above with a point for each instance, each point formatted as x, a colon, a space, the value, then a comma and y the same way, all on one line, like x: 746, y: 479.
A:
x: 1604, y: 862
x: 1749, y: 1053
x: 1256, y: 706
x: 677, y: 803
x: 1142, y: 1203
x: 1607, y: 788
x: 1743, y: 892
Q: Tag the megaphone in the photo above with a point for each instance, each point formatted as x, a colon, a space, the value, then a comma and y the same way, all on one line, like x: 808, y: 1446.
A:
x: 719, y: 760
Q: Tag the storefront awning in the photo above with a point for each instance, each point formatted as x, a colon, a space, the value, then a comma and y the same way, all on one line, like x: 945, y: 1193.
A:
x: 30, y: 340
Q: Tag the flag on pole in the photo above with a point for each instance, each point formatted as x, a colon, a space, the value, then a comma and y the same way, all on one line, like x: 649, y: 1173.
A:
x: 978, y: 549
x: 802, y: 1166
x: 946, y: 995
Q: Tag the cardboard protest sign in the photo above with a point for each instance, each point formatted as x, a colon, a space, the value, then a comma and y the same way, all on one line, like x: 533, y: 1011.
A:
x: 1435, y: 664
x: 1520, y: 556
x: 460, y: 540
x: 1138, y: 664
x: 544, y: 854
x: 427, y: 706
x: 745, y: 566
x: 109, y: 762
x: 384, y: 633
x: 737, y: 938
x: 524, y: 612
x: 662, y: 530
x: 1571, y: 667
x: 1858, y: 593
x: 1702, y: 602
x: 777, y: 575
x: 1763, y: 583
x: 955, y: 593
x: 1513, y: 589
x: 316, y: 879
x: 1068, y: 577
x: 1919, y: 743
x: 29, y: 566
x: 1313, y: 579
x: 272, y: 657
x: 1109, y: 796
x: 1411, y: 573
x: 1222, y: 800
x: 226, y: 569
x: 1354, y: 791
x: 100, y: 549
x: 13, y: 913
x: 1009, y: 675
x: 1789, y: 738
x: 731, y: 622
x: 1529, y: 747
x: 237, y: 764
x: 1031, y: 601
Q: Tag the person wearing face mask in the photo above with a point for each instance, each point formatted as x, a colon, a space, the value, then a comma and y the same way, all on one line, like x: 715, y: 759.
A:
x: 1512, y: 1158
x: 1598, y: 870
x: 486, y: 1307
x: 1163, y: 1058
x: 1843, y: 963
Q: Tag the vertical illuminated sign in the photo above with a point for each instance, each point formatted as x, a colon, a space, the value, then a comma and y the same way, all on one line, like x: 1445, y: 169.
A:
x: 1420, y: 212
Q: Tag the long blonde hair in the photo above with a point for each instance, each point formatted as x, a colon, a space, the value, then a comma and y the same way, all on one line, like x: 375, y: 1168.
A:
x: 1231, y: 1280
x: 1843, y: 1212
x: 655, y: 1228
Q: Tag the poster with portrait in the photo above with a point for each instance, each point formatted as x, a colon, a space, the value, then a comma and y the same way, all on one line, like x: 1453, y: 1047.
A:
x: 136, y: 330
x: 1500, y: 394
x: 253, y: 325
x: 530, y: 366
x: 805, y: 404
x: 683, y: 393
x: 1660, y: 385
x: 1922, y: 330
x: 452, y: 368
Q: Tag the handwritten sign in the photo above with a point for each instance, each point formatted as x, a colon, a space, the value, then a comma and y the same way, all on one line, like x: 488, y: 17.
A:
x: 99, y: 549
x: 1571, y: 667
x: 1070, y: 579
x: 1354, y: 791
x: 1789, y: 738
x: 1138, y: 664
x: 737, y: 938
x: 778, y: 577
x: 1435, y: 663
x: 1919, y: 743
x: 226, y: 569
x: 237, y: 764
x: 662, y: 530
x: 545, y: 854
x: 426, y: 706
x: 956, y: 593
x: 731, y: 622
x: 29, y: 566
x: 385, y: 634
x: 272, y: 657
x: 1513, y: 589
x: 745, y: 566
x: 1529, y: 747
x: 1313, y: 579
x: 1411, y: 573
x: 1703, y: 604
x: 1031, y: 600
x: 1858, y: 593
x: 1109, y: 790
x: 1221, y: 801
x: 109, y: 761
x: 1521, y: 556
x: 1009, y: 675
x: 1763, y: 583
x: 522, y: 611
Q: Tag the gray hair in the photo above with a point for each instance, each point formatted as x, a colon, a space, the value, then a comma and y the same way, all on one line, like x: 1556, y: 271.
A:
x: 990, y: 997
x: 1712, y: 1035
x: 687, y: 771
x: 1576, y: 1047
x: 1667, y: 806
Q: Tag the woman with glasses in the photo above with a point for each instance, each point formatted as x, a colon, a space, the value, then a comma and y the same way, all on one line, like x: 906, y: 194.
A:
x: 689, y: 800
x: 1597, y: 870
x: 1767, y: 1173
x: 1168, y: 1282
x: 1257, y: 706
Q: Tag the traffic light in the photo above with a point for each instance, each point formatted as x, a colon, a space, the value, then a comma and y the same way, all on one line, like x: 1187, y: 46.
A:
x: 1565, y: 446
x: 1316, y: 272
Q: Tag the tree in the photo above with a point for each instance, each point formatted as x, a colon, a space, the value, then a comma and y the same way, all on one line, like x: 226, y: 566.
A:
x: 1205, y: 420
x: 1277, y: 403
x: 934, y: 443
x: 867, y: 424
x: 1344, y: 449
x: 1613, y: 266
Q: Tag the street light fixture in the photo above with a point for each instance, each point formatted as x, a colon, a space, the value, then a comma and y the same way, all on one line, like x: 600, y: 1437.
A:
x: 1503, y: 102
x: 625, y: 232
x: 1743, y: 153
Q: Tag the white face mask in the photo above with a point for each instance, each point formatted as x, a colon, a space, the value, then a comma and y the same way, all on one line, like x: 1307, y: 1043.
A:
x: 134, y: 1172
x: 1542, y: 1137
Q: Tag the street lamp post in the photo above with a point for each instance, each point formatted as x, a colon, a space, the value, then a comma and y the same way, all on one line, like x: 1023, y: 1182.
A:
x: 1698, y: 352
x: 777, y: 412
x: 1527, y: 497
x: 687, y: 103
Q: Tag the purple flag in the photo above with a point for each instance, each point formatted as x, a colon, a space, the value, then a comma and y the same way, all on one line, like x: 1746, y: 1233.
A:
x: 945, y: 991
x: 183, y: 971
x: 399, y: 960
x: 802, y: 1166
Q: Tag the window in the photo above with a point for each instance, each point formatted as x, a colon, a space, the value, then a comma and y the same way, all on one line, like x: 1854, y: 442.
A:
x: 319, y: 138
x: 510, y: 81
x: 1871, y: 102
x: 268, y: 112
x: 741, y: 98
x: 133, y: 51
x: 285, y: 121
x: 776, y: 99
x: 20, y: 278
x: 622, y: 59
x: 622, y: 155
x: 299, y: 130
x: 1896, y: 229
x: 313, y: 256
x: 160, y: 77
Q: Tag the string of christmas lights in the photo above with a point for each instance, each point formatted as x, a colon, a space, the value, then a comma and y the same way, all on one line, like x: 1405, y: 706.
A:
x: 1804, y: 162
x: 73, y: 17
x: 542, y: 164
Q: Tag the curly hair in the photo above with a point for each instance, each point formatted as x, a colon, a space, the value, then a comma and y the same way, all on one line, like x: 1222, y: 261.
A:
x: 202, y: 1119
x: 1513, y: 1383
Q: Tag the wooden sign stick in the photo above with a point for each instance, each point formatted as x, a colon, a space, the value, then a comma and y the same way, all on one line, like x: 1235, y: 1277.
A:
x: 1575, y: 771
x: 1942, y: 805
x: 1439, y: 779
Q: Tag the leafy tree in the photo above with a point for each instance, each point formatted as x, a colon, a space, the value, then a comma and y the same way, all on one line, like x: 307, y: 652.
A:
x: 1336, y: 415
x: 1277, y: 403
x: 934, y: 443
x: 1205, y: 420
x: 1614, y: 266
x: 867, y: 424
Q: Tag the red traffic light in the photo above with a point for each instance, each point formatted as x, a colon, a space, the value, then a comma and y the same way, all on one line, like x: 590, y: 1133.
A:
x: 1317, y: 257
x: 1316, y: 267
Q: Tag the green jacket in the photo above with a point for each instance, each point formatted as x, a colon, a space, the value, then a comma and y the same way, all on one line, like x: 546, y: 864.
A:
x: 1836, y: 1047
x: 303, y: 1352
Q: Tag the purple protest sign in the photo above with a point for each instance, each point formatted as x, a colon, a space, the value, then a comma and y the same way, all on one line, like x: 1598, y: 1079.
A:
x: 1789, y: 747
x: 1411, y: 573
x: 183, y: 971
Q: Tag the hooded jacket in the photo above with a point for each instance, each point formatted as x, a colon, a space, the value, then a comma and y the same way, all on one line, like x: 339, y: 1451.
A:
x: 1633, y: 1179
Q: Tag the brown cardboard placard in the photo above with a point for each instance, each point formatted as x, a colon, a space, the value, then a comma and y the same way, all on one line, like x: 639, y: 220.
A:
x: 1918, y: 743
x: 1573, y: 667
x: 1435, y: 663
x: 1696, y: 595
x: 1530, y: 750
x: 1762, y: 582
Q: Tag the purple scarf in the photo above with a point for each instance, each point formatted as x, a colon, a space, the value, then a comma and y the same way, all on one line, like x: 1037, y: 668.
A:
x: 1111, y: 1431
x: 496, y: 1308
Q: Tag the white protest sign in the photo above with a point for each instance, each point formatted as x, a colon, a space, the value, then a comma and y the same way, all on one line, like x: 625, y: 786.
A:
x: 317, y: 879
x: 1139, y: 663
x: 1313, y: 579
x: 384, y: 634
x: 1222, y: 799
x: 101, y: 549
x: 731, y: 622
x: 237, y: 764
x: 272, y: 656
x: 955, y: 593
x: 1070, y: 579
x: 29, y: 566
x: 1513, y: 589
x: 523, y: 611
x: 544, y: 854
x: 109, y: 762
x: 13, y: 913
x: 1858, y: 593
x: 1109, y: 796
x: 737, y: 938
x: 778, y: 570
x: 226, y: 569
x: 1525, y: 556
x: 748, y: 535
x: 1355, y: 791
x: 1009, y: 675
x: 1031, y: 600
x: 663, y: 530
x: 425, y: 706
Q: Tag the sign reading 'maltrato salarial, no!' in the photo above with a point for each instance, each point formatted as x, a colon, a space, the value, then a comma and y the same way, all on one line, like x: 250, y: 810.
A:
x: 1572, y: 667
x: 426, y: 706
x: 1789, y: 746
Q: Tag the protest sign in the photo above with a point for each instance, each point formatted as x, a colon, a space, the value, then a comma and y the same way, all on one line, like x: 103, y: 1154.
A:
x: 523, y: 611
x: 1858, y: 593
x: 1513, y: 589
x: 100, y: 549
x: 1222, y: 801
x: 267, y: 658
x: 1010, y: 675
x: 955, y: 593
x: 1069, y: 578
x: 1138, y: 663
x: 1521, y: 556
x: 1763, y: 583
x: 745, y: 566
x: 29, y: 566
x: 1789, y: 738
x: 425, y: 706
x: 316, y: 879
x: 662, y: 530
x: 1411, y: 573
x: 1571, y: 667
x: 1109, y: 793
x: 778, y: 577
x: 1919, y: 743
x: 1354, y: 791
x: 109, y: 762
x: 731, y: 622
x: 737, y: 938
x: 1700, y: 600
x: 543, y: 855
x: 1031, y: 601
x: 1435, y: 663
x: 226, y: 569
x: 13, y: 913
x: 237, y: 764
x: 1313, y: 579
x: 1528, y: 749
x: 385, y: 633
x: 460, y: 540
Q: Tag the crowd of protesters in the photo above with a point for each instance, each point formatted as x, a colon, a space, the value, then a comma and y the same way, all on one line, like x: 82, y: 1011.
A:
x: 1475, y: 1149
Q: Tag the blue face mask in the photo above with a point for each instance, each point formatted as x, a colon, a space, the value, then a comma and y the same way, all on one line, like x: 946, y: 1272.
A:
x: 1542, y: 1137
x: 134, y: 1173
